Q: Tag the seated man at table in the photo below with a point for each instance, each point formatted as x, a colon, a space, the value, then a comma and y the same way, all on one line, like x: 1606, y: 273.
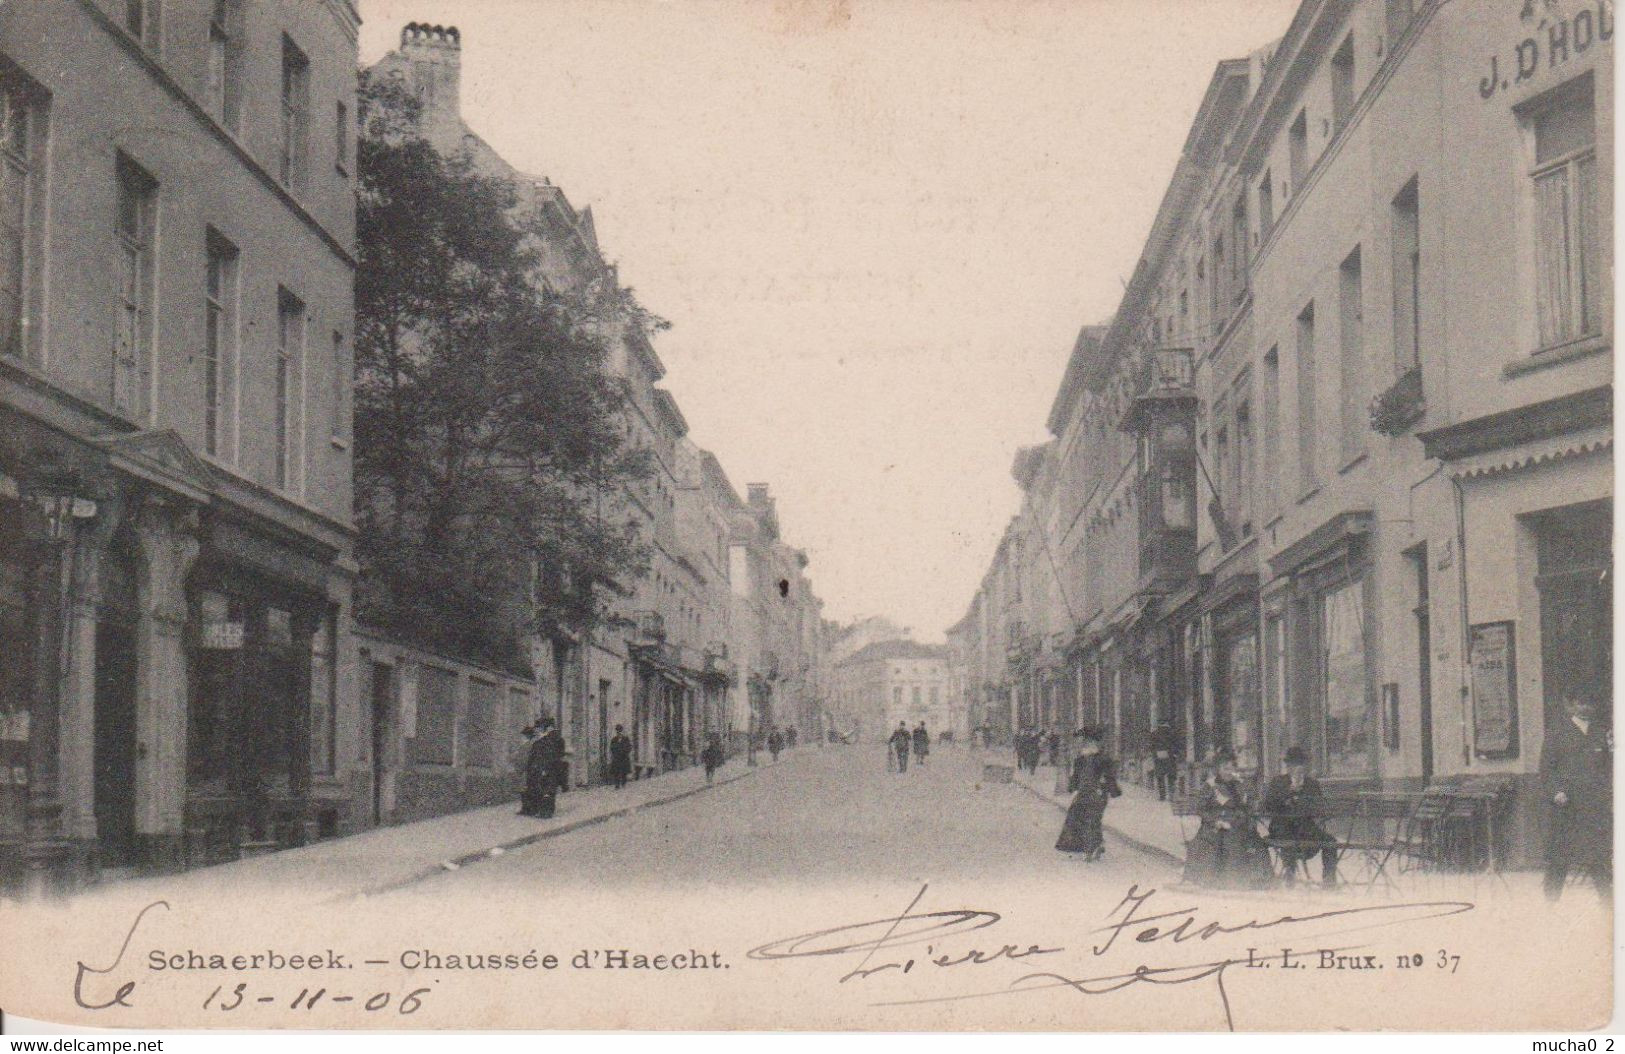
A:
x: 1291, y: 802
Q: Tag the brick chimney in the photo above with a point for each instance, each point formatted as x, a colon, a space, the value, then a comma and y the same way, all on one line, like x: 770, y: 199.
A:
x: 435, y: 56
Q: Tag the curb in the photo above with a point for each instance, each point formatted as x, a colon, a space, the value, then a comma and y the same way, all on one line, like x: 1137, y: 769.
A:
x: 457, y: 863
x: 1118, y: 832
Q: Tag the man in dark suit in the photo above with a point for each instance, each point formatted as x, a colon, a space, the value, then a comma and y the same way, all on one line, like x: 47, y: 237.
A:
x: 1577, y: 772
x: 1164, y: 751
x: 900, y: 743
x: 620, y: 757
x: 1291, y: 801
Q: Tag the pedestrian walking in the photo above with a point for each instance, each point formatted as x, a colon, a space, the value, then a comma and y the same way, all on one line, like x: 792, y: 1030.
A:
x: 711, y: 756
x: 1291, y: 801
x: 921, y: 742
x: 1164, y: 746
x: 1028, y: 750
x: 775, y: 743
x: 790, y: 737
x: 1055, y: 748
x: 1577, y: 772
x: 900, y: 742
x: 1227, y: 852
x: 620, y: 757
x: 1093, y: 783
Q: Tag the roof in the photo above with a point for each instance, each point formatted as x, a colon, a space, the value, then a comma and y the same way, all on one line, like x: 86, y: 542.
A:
x: 894, y: 649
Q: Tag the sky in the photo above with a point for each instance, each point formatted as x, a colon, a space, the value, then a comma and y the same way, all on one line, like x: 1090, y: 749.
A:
x: 875, y: 225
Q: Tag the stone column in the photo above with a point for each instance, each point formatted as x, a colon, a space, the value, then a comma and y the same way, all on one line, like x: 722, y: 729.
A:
x: 168, y: 546
x: 77, y: 737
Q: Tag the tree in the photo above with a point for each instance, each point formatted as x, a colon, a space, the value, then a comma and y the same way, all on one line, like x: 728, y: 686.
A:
x: 489, y: 447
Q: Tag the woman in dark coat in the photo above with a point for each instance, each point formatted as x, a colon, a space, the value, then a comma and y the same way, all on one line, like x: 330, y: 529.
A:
x: 542, y: 767
x: 1227, y: 852
x: 1094, y: 783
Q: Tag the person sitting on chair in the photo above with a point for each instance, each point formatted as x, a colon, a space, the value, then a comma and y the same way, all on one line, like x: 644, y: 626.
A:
x: 1226, y: 852
x: 1291, y: 801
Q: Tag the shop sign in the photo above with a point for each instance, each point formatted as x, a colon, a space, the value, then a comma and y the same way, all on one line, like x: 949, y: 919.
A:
x: 1495, y: 690
x: 1556, y: 39
x: 223, y: 636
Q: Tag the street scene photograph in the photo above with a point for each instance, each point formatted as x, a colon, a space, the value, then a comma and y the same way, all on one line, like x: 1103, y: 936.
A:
x: 874, y: 515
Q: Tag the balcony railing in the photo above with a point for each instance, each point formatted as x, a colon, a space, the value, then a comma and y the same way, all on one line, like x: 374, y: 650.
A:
x: 1168, y: 371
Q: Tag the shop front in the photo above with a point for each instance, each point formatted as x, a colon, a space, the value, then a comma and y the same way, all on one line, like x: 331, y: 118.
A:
x: 1330, y: 710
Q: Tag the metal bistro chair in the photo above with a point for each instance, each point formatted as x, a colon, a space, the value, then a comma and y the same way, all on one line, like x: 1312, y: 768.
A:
x: 1419, y: 839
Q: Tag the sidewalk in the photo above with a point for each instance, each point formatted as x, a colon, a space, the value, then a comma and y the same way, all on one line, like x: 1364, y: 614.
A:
x: 389, y: 858
x: 1137, y: 818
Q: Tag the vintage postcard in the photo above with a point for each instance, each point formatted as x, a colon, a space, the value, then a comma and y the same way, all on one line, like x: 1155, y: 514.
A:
x: 807, y: 514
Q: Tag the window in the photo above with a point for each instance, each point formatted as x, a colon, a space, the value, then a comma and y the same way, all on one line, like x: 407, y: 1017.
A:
x: 340, y: 430
x: 1308, y: 468
x: 915, y: 697
x: 1349, y: 729
x: 1222, y: 485
x: 295, y: 113
x: 135, y: 222
x: 479, y: 730
x: 1216, y: 297
x: 341, y: 137
x: 1242, y: 512
x: 1343, y: 84
x: 1351, y: 347
x: 1238, y: 250
x: 223, y: 90
x: 1568, y: 268
x: 1407, y: 239
x: 1266, y: 206
x: 1298, y: 150
x: 219, y: 338
x: 19, y: 131
x: 289, y: 356
x: 432, y: 741
x: 141, y: 18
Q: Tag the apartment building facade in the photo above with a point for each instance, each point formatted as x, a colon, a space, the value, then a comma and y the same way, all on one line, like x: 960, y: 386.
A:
x: 1346, y: 446
x: 175, y: 324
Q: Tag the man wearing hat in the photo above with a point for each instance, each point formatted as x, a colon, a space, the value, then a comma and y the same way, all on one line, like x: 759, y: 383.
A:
x: 1291, y: 802
x: 542, y: 768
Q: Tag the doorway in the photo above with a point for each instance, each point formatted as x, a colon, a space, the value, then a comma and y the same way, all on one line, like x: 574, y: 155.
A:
x: 1575, y: 580
x: 114, y: 762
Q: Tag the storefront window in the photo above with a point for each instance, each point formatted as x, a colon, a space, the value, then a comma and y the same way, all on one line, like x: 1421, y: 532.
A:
x: 1241, y: 676
x: 1348, y: 705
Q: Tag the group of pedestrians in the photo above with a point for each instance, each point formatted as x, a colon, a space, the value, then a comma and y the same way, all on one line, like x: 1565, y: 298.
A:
x: 904, y: 743
x: 1032, y: 744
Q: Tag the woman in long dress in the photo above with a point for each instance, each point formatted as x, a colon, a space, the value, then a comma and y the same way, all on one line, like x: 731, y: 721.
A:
x: 1093, y: 783
x: 1227, y: 852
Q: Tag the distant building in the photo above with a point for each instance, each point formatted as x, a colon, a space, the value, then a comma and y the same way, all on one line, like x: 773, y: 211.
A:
x: 891, y: 681
x: 860, y: 633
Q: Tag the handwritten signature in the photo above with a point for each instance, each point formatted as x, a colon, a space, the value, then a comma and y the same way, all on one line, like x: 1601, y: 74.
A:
x: 1135, y: 918
x: 121, y: 995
